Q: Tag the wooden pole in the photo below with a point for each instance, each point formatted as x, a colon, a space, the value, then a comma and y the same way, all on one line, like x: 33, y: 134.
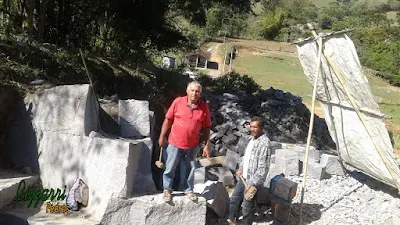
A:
x: 310, y: 128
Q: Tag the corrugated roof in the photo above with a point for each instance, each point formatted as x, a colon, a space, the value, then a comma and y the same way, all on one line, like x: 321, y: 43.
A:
x: 200, y: 52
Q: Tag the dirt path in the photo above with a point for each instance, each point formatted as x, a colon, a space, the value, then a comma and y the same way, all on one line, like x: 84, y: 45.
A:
x: 215, y: 57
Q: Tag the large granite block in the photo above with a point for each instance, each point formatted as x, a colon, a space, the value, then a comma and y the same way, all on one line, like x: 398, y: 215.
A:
x: 151, y: 210
x: 134, y: 118
x: 70, y: 109
x: 110, y: 167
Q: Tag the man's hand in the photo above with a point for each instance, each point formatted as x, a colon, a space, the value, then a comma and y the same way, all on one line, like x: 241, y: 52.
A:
x: 162, y: 141
x: 206, y: 151
x: 239, y: 172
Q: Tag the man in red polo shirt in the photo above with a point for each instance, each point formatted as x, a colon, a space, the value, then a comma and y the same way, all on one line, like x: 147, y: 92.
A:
x: 186, y: 117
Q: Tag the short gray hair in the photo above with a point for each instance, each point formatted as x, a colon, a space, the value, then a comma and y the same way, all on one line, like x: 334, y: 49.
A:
x: 194, y: 83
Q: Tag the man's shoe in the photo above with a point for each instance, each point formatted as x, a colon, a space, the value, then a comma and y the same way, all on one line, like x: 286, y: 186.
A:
x: 167, y: 196
x: 192, y: 196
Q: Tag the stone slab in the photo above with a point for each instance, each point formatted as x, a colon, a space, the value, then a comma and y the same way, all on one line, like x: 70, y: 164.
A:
x: 134, y: 118
x: 151, y: 210
x: 232, y: 160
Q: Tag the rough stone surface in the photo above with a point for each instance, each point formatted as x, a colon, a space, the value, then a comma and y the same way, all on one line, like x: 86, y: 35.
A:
x: 134, y: 118
x: 288, y: 161
x: 316, y: 171
x: 216, y: 195
x: 69, y: 109
x: 231, y: 160
x: 286, y: 120
x: 332, y: 164
x: 151, y: 210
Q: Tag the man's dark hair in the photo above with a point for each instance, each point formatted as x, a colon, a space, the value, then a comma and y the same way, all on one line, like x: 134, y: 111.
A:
x: 259, y: 120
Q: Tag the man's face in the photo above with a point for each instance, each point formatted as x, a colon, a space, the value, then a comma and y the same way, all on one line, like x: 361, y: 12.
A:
x: 193, y: 92
x: 255, y: 129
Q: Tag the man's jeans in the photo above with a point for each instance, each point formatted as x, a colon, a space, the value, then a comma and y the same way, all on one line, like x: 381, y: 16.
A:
x: 174, y: 155
x: 236, y: 200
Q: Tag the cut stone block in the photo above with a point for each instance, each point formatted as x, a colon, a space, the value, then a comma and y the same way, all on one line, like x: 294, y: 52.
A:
x: 152, y: 210
x: 206, y: 162
x: 110, y: 167
x: 316, y: 171
x: 232, y: 159
x: 9, y: 182
x: 288, y: 161
x: 216, y: 195
x: 143, y: 181
x: 70, y: 109
x: 332, y: 165
x: 134, y: 118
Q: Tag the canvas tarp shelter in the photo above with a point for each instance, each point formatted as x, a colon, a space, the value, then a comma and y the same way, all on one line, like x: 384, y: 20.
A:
x: 362, y: 139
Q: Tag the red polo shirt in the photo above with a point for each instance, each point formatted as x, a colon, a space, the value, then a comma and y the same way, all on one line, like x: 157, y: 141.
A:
x: 187, y: 123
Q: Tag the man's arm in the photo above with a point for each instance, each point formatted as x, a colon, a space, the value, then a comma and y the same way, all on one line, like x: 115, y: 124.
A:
x: 206, y: 150
x: 162, y: 141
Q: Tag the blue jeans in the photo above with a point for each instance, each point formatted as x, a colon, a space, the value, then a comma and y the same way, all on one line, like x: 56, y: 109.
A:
x: 175, y: 156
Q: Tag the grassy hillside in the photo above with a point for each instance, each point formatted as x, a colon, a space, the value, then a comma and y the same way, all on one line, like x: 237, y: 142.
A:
x: 276, y: 64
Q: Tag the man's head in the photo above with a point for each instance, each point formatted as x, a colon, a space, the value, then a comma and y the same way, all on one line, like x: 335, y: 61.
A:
x: 256, y: 127
x: 193, y: 91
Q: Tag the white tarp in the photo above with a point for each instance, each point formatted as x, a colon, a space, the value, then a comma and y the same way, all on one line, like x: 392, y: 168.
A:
x: 353, y: 142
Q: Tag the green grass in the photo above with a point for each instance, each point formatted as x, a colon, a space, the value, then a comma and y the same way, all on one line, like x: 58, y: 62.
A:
x: 286, y: 74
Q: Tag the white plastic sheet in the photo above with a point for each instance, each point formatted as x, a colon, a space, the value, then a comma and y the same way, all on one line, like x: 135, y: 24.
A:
x: 355, y: 145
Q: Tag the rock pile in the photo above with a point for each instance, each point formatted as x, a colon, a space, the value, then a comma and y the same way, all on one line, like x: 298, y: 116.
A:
x: 286, y: 120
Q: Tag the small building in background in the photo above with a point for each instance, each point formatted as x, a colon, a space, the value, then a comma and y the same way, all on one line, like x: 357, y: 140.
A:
x: 198, y: 58
x: 168, y: 62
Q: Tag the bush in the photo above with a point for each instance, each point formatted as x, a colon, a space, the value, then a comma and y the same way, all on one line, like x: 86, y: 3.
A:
x: 230, y: 83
